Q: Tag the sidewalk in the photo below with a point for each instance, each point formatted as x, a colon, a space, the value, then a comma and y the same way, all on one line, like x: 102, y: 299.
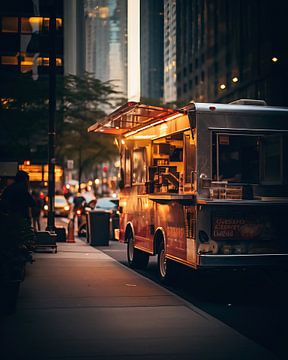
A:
x: 82, y: 304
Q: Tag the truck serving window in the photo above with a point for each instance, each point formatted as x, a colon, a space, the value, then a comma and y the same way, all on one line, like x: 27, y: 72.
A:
x: 139, y: 166
x: 127, y: 168
x: 271, y: 154
x: 251, y: 159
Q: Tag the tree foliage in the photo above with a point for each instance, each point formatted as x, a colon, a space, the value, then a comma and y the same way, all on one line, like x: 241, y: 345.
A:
x: 83, y: 103
x: 80, y: 103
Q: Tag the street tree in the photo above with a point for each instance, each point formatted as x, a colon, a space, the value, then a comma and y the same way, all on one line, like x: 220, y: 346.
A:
x: 81, y: 101
x: 84, y: 102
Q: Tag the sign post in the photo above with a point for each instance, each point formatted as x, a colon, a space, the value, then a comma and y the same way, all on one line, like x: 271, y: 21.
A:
x: 52, y: 112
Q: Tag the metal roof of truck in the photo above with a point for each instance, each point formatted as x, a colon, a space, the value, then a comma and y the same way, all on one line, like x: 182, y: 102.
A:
x: 134, y: 115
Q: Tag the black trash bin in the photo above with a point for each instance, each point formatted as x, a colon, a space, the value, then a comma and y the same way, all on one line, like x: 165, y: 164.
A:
x: 61, y: 234
x: 98, y: 228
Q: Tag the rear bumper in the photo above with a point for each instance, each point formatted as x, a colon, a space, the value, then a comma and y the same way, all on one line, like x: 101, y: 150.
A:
x: 248, y: 260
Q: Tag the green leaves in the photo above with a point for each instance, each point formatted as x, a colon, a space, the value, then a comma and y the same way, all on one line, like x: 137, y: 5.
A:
x: 81, y: 101
x: 84, y: 102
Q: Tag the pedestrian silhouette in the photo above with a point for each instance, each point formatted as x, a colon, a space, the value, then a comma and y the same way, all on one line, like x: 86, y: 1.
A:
x: 16, y: 203
x: 36, y: 210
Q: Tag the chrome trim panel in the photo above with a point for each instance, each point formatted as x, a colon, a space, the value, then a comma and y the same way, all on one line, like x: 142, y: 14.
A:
x: 247, y: 260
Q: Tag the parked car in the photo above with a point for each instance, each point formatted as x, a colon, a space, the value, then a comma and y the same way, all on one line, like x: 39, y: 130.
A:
x: 61, y: 206
x: 109, y: 204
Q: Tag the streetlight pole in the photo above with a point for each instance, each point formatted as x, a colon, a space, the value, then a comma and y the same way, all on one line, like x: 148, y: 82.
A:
x: 52, y: 113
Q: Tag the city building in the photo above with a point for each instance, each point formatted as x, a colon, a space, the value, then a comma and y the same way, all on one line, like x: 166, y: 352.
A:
x: 24, y: 37
x: 170, y: 38
x: 107, y: 52
x: 24, y: 62
x: 225, y: 50
x: 106, y: 41
x: 151, y: 50
x: 74, y: 37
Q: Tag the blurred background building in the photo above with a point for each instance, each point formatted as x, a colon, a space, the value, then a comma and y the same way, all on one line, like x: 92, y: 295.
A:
x: 74, y: 37
x: 170, y: 46
x: 151, y: 49
x: 106, y: 41
x: 225, y: 50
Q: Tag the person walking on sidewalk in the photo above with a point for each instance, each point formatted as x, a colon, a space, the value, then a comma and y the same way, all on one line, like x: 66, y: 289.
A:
x: 36, y: 210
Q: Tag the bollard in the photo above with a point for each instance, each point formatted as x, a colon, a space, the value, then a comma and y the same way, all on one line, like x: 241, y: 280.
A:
x: 71, y: 237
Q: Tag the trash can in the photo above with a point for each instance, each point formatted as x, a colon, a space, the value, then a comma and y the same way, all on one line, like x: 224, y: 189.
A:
x: 98, y: 228
x: 61, y: 234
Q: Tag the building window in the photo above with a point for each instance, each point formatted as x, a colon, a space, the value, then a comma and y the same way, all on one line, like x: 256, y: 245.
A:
x: 215, y: 88
x: 26, y: 63
x: 202, y: 76
x: 9, y: 60
x: 38, y: 24
x: 10, y: 24
x: 26, y: 26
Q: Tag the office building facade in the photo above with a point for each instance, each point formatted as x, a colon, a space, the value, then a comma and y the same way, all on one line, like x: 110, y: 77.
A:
x: 227, y: 50
x: 106, y: 41
x: 151, y: 49
x: 24, y: 70
x: 74, y: 37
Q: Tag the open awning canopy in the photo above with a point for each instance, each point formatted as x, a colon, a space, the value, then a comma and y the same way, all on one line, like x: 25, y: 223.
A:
x: 130, y: 117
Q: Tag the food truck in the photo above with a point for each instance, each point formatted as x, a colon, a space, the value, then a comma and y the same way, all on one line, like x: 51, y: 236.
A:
x: 205, y: 185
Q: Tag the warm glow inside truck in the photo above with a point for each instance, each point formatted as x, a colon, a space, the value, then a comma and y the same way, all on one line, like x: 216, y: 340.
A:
x: 205, y: 185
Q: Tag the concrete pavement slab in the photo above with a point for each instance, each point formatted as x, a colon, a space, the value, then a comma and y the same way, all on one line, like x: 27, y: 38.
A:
x: 78, y: 306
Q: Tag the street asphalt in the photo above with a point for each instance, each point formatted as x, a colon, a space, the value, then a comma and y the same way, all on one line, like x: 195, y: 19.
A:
x: 81, y: 304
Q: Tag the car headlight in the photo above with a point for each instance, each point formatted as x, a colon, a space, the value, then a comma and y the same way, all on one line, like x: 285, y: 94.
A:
x: 66, y: 208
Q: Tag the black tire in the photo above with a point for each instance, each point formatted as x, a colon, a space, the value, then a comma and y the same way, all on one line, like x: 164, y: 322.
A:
x: 166, y: 268
x: 137, y: 259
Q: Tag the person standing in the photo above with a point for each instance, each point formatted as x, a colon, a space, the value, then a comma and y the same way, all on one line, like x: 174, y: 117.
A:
x: 36, y: 210
x: 17, y: 202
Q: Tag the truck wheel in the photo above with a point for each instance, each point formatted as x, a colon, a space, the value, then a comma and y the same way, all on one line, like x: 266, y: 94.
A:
x: 166, y: 270
x: 137, y: 259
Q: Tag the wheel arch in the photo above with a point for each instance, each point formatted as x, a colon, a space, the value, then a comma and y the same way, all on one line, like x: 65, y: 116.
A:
x: 158, y: 238
x: 129, y: 230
